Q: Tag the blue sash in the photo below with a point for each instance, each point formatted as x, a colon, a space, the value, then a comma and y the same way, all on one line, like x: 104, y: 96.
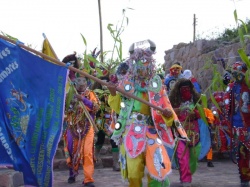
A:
x: 205, y: 138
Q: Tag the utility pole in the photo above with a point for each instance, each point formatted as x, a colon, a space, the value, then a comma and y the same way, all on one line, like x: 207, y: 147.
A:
x: 194, y: 28
x: 101, y: 35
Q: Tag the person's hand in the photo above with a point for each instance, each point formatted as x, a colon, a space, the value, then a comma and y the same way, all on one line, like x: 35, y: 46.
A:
x: 112, y: 88
x: 177, y: 111
x: 167, y: 113
x: 78, y: 97
x: 192, y: 116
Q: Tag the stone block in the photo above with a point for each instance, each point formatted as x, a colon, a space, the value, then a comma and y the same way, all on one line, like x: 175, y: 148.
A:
x: 11, y: 178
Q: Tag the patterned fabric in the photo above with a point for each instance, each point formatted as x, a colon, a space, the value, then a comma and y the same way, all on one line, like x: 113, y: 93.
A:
x: 141, y: 136
x: 238, y: 109
x: 79, y: 136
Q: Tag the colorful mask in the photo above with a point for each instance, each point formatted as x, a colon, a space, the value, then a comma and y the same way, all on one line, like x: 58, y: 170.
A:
x: 175, y: 70
x: 185, y: 92
x: 238, y: 71
x: 142, y: 70
x: 81, y: 84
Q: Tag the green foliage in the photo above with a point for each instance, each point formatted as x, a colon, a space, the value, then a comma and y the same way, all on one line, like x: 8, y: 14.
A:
x: 113, y: 57
x: 16, y: 39
x: 204, y: 100
x: 116, y: 33
x: 102, y: 92
x: 216, y: 83
x: 201, y: 112
x: 69, y: 96
x: 217, y: 80
x: 230, y: 34
x: 243, y: 28
x: 240, y: 33
x: 160, y: 69
x: 9, y: 36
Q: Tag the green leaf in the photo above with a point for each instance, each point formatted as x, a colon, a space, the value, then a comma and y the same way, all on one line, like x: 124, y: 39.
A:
x: 244, y: 26
x: 247, y: 36
x: 214, y: 101
x: 204, y: 100
x: 110, y: 28
x: 99, y: 72
x: 235, y: 16
x: 86, y: 65
x: 84, y: 40
x: 241, y: 37
x: 244, y: 57
x: 247, y: 78
x: 93, y: 59
x: 201, y: 112
x: 120, y: 52
x: 99, y: 91
x: 9, y: 36
x: 69, y: 96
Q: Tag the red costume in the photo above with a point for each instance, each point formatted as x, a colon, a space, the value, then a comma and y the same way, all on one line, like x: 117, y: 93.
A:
x: 238, y: 112
x: 222, y: 125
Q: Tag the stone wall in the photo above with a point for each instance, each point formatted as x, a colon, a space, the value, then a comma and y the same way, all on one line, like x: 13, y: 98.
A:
x: 200, y: 54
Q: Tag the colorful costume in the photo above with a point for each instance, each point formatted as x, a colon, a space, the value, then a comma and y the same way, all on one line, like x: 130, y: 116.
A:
x: 210, y: 119
x: 222, y: 125
x: 173, y: 76
x: 140, y: 130
x: 104, y: 117
x: 184, y: 98
x: 238, y: 112
x: 79, y: 134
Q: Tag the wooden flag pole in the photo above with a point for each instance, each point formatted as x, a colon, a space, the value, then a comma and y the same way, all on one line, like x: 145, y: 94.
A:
x: 83, y: 73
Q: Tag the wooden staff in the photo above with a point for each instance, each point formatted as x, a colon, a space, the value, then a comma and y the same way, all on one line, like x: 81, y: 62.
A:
x: 84, y: 74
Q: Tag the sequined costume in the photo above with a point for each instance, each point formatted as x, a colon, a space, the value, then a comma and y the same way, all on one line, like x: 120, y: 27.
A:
x: 104, y: 117
x: 237, y: 97
x: 79, y: 136
x: 221, y: 123
x: 184, y: 98
x: 142, y: 131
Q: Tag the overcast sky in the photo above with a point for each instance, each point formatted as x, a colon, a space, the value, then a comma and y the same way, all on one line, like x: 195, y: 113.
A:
x: 166, y: 22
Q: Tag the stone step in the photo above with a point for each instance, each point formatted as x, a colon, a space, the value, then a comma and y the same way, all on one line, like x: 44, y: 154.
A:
x: 10, y: 178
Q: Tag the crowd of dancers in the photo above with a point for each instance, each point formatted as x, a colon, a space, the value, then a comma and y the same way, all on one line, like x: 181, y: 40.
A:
x: 166, y: 118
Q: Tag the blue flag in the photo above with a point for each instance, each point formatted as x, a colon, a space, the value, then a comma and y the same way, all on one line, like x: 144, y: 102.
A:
x: 32, y: 96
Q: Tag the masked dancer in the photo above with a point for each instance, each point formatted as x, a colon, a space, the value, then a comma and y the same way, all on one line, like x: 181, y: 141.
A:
x: 142, y: 131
